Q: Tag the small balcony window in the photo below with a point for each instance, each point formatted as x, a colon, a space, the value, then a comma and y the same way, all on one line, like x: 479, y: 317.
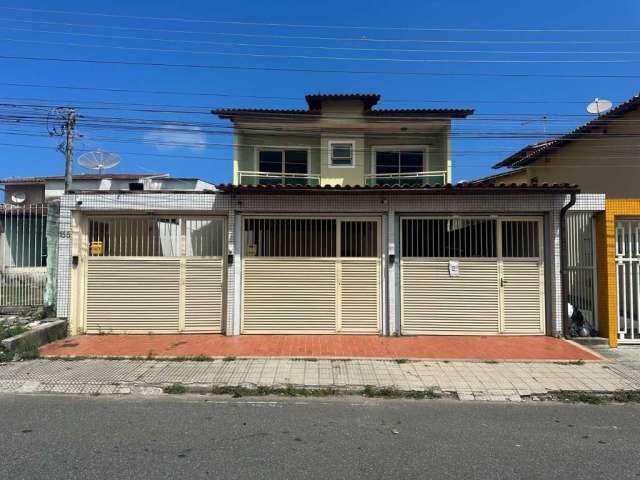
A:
x: 341, y: 154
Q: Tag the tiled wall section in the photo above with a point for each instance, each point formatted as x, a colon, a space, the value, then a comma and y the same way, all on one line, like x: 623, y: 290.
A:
x: 606, y: 260
x: 321, y: 203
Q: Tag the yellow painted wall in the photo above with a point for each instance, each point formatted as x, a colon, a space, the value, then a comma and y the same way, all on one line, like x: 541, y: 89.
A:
x: 606, y: 252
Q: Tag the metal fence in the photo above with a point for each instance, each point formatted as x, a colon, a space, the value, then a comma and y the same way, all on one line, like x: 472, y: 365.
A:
x: 581, y: 264
x: 23, y: 254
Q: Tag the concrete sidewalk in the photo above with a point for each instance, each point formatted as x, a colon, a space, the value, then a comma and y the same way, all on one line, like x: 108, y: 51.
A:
x: 511, y: 381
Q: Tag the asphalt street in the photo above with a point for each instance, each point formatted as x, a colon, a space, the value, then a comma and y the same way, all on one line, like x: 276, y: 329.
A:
x: 69, y: 437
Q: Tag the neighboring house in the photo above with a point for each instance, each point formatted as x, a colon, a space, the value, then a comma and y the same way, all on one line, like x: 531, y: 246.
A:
x: 600, y: 156
x: 29, y: 227
x: 341, y: 219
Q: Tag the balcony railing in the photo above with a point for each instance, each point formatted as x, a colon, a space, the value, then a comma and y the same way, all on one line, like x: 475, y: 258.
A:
x: 417, y: 179
x: 270, y: 178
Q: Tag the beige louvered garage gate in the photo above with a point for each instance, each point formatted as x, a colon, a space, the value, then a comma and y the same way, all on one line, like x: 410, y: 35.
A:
x: 472, y: 275
x: 304, y: 275
x: 154, y: 274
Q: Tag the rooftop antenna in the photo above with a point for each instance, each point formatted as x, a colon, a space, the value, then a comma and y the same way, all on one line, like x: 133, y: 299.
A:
x: 599, y: 106
x: 98, y: 160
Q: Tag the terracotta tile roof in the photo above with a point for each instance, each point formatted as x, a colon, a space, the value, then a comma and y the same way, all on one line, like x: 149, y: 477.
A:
x: 314, y: 102
x: 497, y: 176
x: 458, y: 188
x: 532, y: 152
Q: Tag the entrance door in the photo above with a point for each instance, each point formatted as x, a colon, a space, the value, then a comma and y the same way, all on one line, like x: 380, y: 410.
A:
x: 522, y: 276
x: 628, y: 277
x: 311, y: 275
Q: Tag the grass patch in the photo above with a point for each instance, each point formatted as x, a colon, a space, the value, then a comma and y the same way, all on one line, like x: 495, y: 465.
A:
x: 582, y: 397
x: 392, y: 392
x: 175, y: 389
x: 632, y: 396
x: 286, y: 391
x: 7, y: 332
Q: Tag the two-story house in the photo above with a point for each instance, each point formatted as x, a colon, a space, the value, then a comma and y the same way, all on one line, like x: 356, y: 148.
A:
x: 342, y: 219
x: 342, y: 140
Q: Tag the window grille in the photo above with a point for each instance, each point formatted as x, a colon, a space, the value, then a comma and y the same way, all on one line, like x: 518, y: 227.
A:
x: 520, y: 239
x: 449, y: 237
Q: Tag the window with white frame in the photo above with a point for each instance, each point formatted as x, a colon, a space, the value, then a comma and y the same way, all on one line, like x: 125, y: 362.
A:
x: 341, y: 153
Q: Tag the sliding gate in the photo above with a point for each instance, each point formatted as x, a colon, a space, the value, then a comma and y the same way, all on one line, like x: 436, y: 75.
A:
x: 472, y: 275
x: 311, y: 275
x: 628, y: 278
x: 154, y: 274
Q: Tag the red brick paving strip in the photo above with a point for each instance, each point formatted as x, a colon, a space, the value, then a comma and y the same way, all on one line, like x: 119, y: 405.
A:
x: 328, y: 346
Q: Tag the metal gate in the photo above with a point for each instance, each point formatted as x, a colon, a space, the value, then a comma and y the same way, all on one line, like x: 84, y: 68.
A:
x: 154, y: 274
x: 472, y: 275
x: 581, y: 266
x: 23, y: 255
x: 628, y: 275
x: 318, y: 275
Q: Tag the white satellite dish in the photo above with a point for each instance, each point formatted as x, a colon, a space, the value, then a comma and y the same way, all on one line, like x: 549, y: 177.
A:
x: 18, y: 197
x: 98, y: 160
x: 599, y: 106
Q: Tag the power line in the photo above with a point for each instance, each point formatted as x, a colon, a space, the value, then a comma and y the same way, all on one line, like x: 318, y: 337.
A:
x: 321, y: 47
x: 328, y: 58
x: 271, y: 97
x: 315, y: 70
x: 302, y: 25
x: 367, y: 39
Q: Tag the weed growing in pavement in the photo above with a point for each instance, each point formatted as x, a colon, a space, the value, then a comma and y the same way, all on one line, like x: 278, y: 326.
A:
x: 491, y: 362
x: 401, y: 360
x: 229, y: 358
x: 632, y: 396
x: 392, y: 392
x: 175, y: 389
x: 571, y: 362
x: 151, y: 355
x: 28, y: 350
x: 582, y: 397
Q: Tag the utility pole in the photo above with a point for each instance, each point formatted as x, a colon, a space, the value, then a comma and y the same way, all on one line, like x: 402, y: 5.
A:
x: 69, y: 126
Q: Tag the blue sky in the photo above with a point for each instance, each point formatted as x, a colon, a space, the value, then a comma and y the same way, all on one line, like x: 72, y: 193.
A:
x: 504, y: 105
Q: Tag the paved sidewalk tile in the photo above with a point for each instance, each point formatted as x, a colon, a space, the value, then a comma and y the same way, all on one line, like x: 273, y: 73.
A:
x: 468, y: 380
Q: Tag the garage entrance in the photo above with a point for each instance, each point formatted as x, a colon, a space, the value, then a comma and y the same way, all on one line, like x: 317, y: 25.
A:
x: 154, y: 274
x: 311, y: 275
x: 472, y: 275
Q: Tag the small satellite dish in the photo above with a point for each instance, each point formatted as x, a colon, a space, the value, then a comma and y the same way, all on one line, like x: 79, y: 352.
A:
x: 98, y: 160
x: 599, y: 106
x: 18, y: 197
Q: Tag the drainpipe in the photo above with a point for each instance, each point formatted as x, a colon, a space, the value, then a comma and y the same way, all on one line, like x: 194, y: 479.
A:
x: 563, y: 265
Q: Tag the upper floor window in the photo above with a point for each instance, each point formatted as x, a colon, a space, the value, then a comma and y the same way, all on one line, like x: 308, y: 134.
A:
x: 283, y: 161
x: 341, y: 153
x: 401, y: 161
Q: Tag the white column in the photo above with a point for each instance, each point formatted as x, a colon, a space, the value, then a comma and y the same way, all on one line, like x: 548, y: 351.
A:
x: 392, y: 268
